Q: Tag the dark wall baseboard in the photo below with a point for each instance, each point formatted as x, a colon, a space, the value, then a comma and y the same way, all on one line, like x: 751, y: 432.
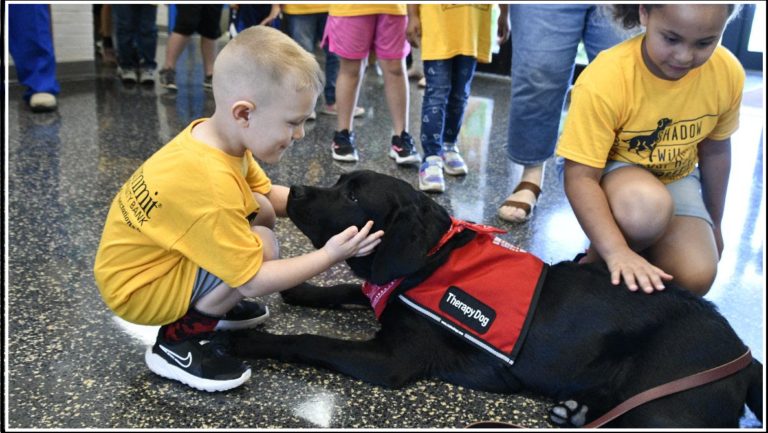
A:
x: 68, y: 71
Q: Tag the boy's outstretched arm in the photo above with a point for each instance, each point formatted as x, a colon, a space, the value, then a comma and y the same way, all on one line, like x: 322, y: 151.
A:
x: 278, y: 196
x: 281, y: 274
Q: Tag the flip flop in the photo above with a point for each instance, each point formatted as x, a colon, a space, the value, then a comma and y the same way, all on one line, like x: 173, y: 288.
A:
x: 527, y: 208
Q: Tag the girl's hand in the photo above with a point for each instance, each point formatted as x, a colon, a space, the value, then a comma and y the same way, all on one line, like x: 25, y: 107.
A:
x: 352, y: 243
x: 636, y: 271
x: 413, y: 31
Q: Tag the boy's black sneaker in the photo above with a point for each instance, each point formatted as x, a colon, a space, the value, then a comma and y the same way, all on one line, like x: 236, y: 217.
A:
x: 196, y: 362
x: 344, y: 146
x: 403, y: 149
x: 244, y: 315
x: 168, y: 79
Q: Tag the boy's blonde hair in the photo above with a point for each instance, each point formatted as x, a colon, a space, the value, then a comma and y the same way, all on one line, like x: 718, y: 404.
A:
x: 258, y: 60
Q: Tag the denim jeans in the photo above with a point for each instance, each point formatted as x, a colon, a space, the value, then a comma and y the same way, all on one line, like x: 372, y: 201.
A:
x: 445, y: 100
x: 545, y: 39
x: 135, y: 26
x: 307, y: 30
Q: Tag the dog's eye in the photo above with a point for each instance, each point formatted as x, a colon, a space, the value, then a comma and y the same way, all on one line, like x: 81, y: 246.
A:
x: 351, y: 195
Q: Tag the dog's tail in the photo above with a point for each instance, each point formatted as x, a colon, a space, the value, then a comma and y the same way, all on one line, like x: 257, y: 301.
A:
x: 755, y: 391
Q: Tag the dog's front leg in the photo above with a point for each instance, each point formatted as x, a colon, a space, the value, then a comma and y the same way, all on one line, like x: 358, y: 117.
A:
x: 372, y: 361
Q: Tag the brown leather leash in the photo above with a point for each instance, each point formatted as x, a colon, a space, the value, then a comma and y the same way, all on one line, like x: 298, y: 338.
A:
x: 675, y: 386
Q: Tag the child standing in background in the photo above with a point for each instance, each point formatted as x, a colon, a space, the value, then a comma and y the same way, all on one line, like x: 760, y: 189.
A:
x: 647, y: 146
x: 351, y: 32
x: 306, y: 25
x: 453, y: 39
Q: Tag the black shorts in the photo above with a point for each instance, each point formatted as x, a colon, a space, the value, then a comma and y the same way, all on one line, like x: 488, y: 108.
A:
x: 203, y: 19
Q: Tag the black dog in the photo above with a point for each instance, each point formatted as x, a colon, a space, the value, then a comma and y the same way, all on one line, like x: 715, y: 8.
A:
x: 587, y: 342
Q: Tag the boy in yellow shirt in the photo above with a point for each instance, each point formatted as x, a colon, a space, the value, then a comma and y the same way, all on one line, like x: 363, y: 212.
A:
x: 190, y: 234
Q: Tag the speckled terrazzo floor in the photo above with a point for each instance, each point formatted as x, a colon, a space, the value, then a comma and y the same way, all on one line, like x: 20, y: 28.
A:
x: 72, y: 364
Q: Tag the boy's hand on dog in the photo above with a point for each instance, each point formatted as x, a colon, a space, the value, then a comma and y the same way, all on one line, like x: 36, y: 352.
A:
x: 353, y: 243
x: 636, y: 271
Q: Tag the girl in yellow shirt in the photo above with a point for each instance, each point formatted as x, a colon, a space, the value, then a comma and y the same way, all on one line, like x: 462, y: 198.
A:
x: 647, y: 147
x: 454, y: 37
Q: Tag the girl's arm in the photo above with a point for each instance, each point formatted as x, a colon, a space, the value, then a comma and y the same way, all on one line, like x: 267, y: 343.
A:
x: 503, y: 23
x: 715, y: 168
x: 589, y: 203
x: 413, y: 31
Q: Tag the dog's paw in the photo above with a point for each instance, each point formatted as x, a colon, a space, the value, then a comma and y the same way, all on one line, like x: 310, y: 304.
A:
x: 568, y: 414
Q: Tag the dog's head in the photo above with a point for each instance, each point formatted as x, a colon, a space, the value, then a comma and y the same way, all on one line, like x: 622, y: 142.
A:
x: 412, y: 222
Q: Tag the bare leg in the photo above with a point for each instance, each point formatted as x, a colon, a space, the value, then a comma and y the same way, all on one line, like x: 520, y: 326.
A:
x: 688, y: 251
x: 176, y: 44
x: 347, y: 90
x: 208, y: 50
x: 641, y: 206
x: 397, y: 92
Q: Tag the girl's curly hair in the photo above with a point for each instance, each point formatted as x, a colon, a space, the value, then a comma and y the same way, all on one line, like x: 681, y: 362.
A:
x: 628, y: 15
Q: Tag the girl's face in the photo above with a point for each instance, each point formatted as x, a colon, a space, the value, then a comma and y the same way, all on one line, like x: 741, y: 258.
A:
x: 681, y: 37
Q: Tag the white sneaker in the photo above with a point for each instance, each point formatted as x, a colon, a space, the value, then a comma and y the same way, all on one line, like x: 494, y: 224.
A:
x: 313, y: 116
x: 127, y: 75
x: 453, y: 163
x: 431, y: 175
x: 147, y: 76
x: 42, y: 102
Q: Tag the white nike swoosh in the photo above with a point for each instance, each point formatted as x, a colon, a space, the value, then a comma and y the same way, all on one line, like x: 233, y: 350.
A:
x: 179, y: 360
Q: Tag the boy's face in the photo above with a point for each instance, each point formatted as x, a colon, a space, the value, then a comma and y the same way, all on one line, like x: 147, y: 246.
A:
x: 681, y: 37
x: 278, y: 122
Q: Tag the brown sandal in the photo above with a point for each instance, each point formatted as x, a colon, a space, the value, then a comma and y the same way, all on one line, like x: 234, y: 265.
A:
x: 532, y: 187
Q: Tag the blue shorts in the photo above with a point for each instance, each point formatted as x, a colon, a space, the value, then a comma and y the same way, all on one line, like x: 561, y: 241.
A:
x: 204, y: 283
x: 685, y: 192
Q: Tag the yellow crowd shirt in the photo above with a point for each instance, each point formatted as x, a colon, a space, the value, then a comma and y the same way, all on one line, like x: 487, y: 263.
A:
x: 305, y: 9
x: 356, y: 10
x: 189, y: 200
x: 449, y: 30
x: 621, y: 111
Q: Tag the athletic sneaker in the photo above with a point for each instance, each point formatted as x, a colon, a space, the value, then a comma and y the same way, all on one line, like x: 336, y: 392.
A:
x: 453, y: 163
x: 244, y: 315
x: 403, y: 149
x: 344, y: 146
x: 42, y: 101
x: 195, y: 361
x: 168, y: 79
x: 147, y: 76
x: 330, y: 109
x: 431, y: 175
x: 127, y: 75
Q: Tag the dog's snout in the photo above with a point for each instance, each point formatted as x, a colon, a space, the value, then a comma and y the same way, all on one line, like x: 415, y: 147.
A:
x: 297, y: 192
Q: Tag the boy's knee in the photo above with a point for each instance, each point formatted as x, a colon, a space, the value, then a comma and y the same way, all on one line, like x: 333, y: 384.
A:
x: 269, y: 242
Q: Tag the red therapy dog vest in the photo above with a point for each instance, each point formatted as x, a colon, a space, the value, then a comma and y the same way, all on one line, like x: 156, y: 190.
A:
x: 486, y: 292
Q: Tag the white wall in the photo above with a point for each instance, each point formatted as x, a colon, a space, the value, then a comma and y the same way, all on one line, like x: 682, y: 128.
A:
x: 72, y: 32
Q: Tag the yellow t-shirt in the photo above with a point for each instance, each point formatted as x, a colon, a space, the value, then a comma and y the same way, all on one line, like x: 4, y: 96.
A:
x: 305, y: 9
x: 356, y: 10
x: 449, y: 30
x: 621, y: 111
x: 188, y: 205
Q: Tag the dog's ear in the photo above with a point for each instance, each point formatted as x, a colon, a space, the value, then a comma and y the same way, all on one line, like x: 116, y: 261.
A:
x: 403, y: 248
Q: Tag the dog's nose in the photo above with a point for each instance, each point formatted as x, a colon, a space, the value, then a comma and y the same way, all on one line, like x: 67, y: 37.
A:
x: 297, y: 192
